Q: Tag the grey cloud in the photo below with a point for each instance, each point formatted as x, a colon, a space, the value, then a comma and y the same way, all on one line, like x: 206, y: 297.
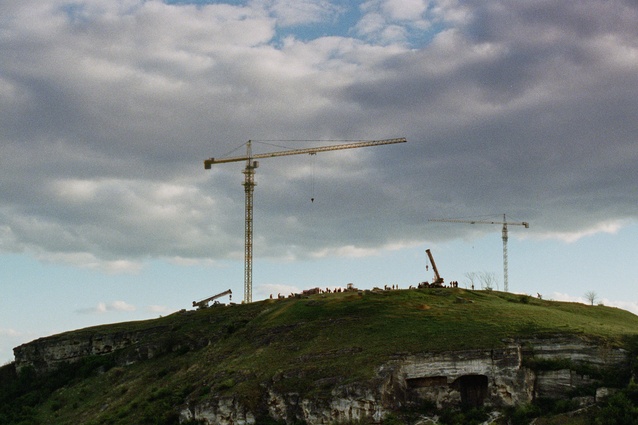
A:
x: 106, y: 116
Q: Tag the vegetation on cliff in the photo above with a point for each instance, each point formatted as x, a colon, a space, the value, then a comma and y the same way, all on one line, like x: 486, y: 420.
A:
x: 304, y: 345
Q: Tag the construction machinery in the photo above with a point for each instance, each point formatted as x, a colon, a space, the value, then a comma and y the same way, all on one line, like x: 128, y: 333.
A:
x: 438, y: 280
x: 204, y: 303
x: 249, y: 186
x: 505, y: 223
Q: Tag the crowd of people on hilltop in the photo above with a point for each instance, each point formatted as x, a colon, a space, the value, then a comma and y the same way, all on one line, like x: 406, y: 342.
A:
x: 351, y: 288
x: 314, y: 291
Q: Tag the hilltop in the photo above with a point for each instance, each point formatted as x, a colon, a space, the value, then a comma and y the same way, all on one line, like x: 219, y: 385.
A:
x: 346, y: 357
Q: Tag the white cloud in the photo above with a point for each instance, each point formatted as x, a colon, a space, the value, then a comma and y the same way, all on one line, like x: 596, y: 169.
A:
x: 570, y: 237
x: 122, y: 306
x: 631, y: 306
x: 87, y: 260
x: 371, y: 23
x: 351, y: 251
x: 160, y: 309
x: 393, y: 21
x: 103, y: 307
x: 558, y: 296
x: 9, y: 332
x: 267, y: 290
x: 302, y: 12
x: 404, y: 10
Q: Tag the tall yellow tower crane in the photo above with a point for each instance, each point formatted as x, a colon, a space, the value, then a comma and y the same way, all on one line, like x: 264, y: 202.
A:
x: 505, y: 223
x: 249, y: 186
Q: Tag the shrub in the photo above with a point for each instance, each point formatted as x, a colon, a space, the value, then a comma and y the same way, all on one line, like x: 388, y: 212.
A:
x: 619, y: 410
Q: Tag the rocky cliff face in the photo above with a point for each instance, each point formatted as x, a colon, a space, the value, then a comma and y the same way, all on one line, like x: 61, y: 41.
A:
x: 46, y: 354
x: 516, y: 373
x: 346, y: 406
x: 494, y: 378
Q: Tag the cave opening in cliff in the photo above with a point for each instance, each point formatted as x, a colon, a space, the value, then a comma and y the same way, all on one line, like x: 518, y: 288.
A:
x: 427, y: 381
x: 473, y: 389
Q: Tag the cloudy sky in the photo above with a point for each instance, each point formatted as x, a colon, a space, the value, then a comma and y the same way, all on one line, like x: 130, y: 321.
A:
x: 109, y: 107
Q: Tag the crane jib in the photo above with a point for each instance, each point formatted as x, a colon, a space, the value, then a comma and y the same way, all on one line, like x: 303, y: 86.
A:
x: 211, y: 161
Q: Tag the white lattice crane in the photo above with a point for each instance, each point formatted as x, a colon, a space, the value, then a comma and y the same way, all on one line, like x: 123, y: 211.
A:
x: 505, y: 223
x: 249, y: 186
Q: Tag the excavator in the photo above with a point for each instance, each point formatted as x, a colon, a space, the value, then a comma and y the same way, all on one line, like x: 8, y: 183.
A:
x: 204, y: 303
x: 438, y: 280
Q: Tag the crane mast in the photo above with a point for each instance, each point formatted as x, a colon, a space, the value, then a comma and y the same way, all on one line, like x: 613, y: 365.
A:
x: 504, y: 234
x: 249, y: 187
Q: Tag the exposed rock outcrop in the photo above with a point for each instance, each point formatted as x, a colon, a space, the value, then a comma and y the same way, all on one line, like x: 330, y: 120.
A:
x: 46, y: 354
x: 474, y: 377
x: 494, y: 378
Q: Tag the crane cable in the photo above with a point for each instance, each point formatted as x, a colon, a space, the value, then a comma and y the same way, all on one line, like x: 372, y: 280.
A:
x: 312, y: 178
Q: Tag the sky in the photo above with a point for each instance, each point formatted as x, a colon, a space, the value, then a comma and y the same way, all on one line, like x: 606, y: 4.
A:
x: 108, y: 109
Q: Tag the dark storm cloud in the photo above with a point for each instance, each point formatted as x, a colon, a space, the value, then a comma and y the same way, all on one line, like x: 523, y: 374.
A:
x: 528, y: 109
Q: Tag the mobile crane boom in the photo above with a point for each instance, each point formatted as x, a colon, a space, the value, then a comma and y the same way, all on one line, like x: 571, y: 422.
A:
x: 505, y: 223
x: 249, y: 187
x: 204, y: 303
x: 438, y: 280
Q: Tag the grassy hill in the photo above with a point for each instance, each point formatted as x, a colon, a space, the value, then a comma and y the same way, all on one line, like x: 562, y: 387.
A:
x: 304, y: 345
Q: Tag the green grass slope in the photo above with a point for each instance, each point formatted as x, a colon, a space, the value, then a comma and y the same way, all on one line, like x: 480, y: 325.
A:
x: 305, y: 345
